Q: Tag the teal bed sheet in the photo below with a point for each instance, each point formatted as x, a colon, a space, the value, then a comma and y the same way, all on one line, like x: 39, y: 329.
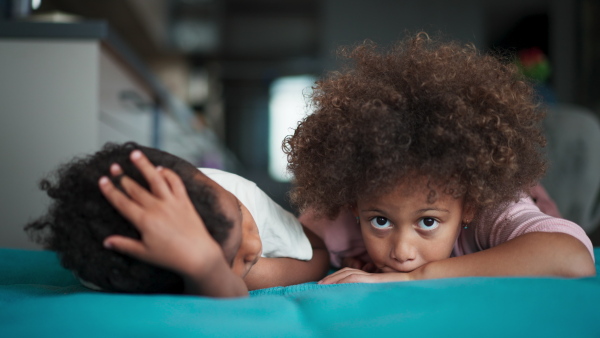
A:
x: 38, y: 298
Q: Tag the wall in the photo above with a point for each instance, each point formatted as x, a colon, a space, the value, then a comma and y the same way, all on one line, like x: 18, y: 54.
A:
x: 39, y: 120
x: 384, y: 21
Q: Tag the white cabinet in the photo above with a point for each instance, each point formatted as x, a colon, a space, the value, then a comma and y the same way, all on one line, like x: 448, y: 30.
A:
x: 125, y: 108
x: 62, y: 97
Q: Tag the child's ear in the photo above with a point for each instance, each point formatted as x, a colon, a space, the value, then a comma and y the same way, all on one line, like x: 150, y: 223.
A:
x: 468, y: 212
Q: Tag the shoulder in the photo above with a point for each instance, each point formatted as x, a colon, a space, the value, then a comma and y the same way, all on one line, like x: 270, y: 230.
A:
x: 521, y: 217
x: 225, y: 178
x: 242, y: 188
x: 280, y: 231
x: 506, y: 222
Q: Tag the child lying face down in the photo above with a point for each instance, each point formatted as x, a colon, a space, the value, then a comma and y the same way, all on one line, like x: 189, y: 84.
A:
x: 418, y: 160
x: 241, y: 240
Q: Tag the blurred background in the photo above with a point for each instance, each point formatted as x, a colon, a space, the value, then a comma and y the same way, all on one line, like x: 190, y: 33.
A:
x: 222, y: 82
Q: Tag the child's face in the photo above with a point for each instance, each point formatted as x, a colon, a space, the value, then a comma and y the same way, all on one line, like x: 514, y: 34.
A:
x: 243, y: 247
x: 403, y: 231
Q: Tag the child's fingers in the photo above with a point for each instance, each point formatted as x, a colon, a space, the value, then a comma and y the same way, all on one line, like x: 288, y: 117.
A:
x: 129, y: 209
x: 137, y: 193
x: 125, y: 245
x: 157, y: 183
x: 355, y: 278
x: 116, y: 170
x: 174, y: 182
x: 332, y: 279
x: 339, y: 275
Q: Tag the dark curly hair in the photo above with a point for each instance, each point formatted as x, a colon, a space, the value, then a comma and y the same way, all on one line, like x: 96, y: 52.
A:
x: 442, y: 110
x: 80, y: 218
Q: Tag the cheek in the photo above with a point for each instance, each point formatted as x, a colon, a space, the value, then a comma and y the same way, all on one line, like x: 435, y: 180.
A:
x: 437, y: 252
x: 376, y: 246
x: 440, y: 248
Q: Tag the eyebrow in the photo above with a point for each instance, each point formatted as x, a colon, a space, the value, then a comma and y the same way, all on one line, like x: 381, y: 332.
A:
x: 240, y: 208
x: 242, y: 235
x: 373, y: 210
x: 421, y: 211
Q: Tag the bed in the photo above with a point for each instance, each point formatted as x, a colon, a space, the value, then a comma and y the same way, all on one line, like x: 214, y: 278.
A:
x: 38, y: 298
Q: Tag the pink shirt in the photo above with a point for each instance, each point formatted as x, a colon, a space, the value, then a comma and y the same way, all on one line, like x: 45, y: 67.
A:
x: 494, y: 228
x: 343, y: 238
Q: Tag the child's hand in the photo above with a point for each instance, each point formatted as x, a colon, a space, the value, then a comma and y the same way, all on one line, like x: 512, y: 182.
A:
x: 173, y: 234
x: 349, y: 275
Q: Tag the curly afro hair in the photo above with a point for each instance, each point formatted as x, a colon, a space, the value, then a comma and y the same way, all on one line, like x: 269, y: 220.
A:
x: 464, y: 120
x: 80, y: 218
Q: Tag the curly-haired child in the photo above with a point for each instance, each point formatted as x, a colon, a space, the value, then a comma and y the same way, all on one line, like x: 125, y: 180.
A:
x: 423, y: 154
x: 205, y: 232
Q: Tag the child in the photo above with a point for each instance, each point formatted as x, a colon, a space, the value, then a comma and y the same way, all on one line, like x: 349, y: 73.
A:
x: 425, y: 152
x: 242, y: 239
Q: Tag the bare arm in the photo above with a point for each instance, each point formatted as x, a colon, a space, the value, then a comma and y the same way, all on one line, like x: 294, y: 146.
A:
x: 270, y: 272
x: 173, y: 235
x: 532, y: 254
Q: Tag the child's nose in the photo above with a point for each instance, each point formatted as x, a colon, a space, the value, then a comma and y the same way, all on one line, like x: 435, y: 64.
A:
x: 403, y: 249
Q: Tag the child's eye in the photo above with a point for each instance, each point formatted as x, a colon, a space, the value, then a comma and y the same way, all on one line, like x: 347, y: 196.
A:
x: 380, y: 222
x: 428, y: 223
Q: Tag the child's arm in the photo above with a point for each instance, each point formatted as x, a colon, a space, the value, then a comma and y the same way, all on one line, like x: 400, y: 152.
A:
x: 532, y: 254
x: 173, y: 235
x: 270, y: 272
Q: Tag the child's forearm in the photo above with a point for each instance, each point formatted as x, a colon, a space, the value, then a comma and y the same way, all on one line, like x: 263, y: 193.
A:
x: 270, y: 272
x: 221, y: 282
x: 533, y: 254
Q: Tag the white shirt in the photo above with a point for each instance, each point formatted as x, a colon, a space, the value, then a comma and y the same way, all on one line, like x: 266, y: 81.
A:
x: 280, y: 231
